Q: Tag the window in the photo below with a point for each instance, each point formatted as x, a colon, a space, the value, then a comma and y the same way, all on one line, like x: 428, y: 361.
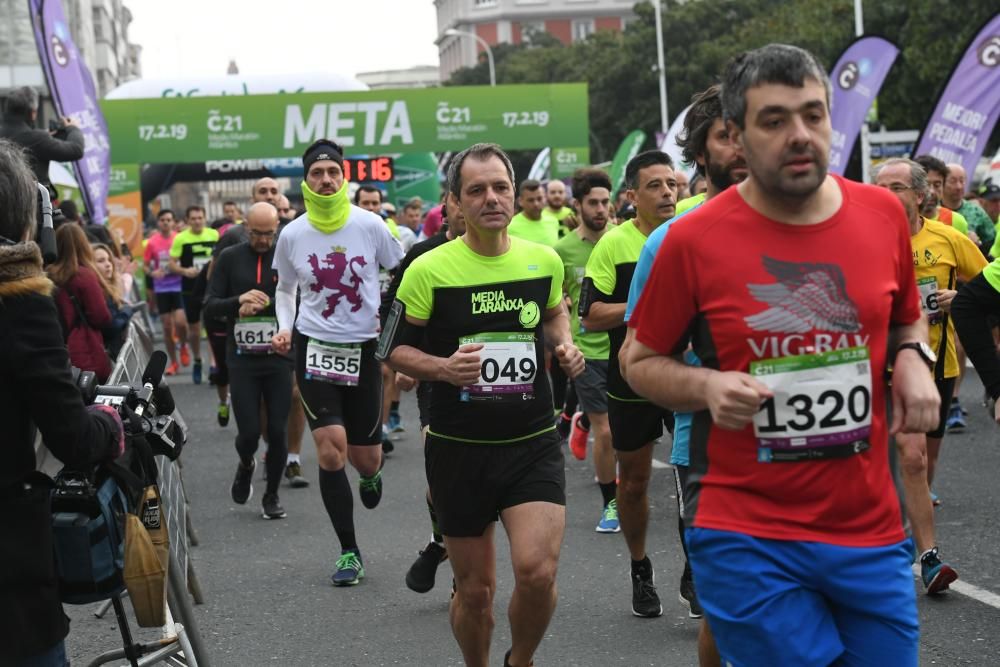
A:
x: 531, y: 28
x: 582, y: 28
x: 484, y: 3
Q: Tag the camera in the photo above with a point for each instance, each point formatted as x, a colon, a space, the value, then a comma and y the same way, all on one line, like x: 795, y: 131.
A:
x: 145, y: 406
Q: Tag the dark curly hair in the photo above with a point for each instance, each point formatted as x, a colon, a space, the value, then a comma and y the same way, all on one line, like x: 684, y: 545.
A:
x: 706, y: 107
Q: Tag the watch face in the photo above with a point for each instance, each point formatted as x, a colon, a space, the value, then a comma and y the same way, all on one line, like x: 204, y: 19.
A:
x: 928, y: 352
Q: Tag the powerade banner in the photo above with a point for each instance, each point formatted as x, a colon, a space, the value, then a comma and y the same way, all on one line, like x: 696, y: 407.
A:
x: 857, y: 77
x: 968, y: 108
x: 199, y: 129
x: 73, y: 93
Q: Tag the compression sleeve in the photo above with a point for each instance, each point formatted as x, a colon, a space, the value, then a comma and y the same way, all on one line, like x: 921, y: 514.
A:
x: 284, y: 304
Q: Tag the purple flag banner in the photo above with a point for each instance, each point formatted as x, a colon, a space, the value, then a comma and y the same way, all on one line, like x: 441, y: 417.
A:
x: 857, y: 77
x: 968, y: 108
x: 74, y: 95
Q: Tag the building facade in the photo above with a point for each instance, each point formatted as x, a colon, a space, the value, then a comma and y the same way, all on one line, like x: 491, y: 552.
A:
x: 515, y: 21
x: 99, y: 29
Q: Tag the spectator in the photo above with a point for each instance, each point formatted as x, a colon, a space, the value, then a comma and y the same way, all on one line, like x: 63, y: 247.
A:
x: 114, y: 296
x: 64, y: 144
x: 80, y: 301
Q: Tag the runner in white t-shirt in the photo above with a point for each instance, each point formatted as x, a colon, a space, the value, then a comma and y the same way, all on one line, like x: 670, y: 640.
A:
x: 331, y: 255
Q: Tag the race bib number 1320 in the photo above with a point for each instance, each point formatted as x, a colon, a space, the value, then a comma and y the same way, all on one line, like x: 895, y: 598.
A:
x: 822, y: 406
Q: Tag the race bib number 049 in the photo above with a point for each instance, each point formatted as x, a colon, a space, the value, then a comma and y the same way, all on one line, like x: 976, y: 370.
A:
x: 339, y: 363
x: 928, y: 288
x: 253, y: 334
x: 508, y: 369
x: 822, y: 406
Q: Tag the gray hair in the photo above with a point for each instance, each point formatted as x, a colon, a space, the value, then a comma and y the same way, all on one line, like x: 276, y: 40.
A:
x: 22, y: 102
x: 774, y: 63
x: 18, y: 193
x: 918, y: 175
x: 481, y: 152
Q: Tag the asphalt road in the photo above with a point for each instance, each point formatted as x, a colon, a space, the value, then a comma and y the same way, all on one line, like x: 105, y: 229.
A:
x: 268, y: 600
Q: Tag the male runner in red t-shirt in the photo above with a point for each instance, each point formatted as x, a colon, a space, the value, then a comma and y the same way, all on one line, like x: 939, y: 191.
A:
x: 796, y: 290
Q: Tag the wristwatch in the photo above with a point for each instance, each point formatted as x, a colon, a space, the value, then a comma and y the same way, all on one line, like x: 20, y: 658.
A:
x: 923, y: 349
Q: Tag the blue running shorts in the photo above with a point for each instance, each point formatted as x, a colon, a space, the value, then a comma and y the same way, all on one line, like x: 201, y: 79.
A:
x: 776, y: 602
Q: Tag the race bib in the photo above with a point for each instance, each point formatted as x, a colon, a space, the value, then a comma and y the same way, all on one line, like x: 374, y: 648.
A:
x: 384, y: 280
x: 508, y: 367
x: 253, y: 334
x: 339, y: 363
x: 822, y: 406
x: 201, y: 262
x: 928, y: 299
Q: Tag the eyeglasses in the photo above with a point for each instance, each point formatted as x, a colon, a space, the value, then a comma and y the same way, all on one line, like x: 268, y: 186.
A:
x: 262, y: 235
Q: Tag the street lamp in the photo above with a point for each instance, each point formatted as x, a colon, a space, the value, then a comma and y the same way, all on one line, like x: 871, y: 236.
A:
x: 661, y: 67
x: 451, y: 32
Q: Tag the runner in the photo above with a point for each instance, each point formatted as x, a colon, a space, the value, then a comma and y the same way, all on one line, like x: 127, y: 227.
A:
x: 332, y: 254
x: 241, y: 291
x: 190, y: 253
x: 555, y: 205
x: 285, y: 212
x: 635, y: 422
x: 937, y: 173
x: 704, y: 142
x: 167, y: 289
x: 534, y: 223
x: 420, y: 577
x: 795, y: 288
x: 268, y: 190
x: 488, y: 304
x: 941, y: 257
x: 953, y: 197
x: 592, y: 201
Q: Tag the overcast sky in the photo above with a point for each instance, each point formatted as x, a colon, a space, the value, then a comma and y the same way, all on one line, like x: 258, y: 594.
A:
x: 200, y: 37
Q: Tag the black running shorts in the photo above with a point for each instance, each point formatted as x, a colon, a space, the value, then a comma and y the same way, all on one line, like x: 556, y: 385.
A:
x: 472, y: 483
x: 635, y: 423
x: 168, y: 302
x: 357, y: 408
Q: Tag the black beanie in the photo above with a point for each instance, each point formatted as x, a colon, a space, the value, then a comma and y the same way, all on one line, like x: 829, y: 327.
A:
x: 322, y: 149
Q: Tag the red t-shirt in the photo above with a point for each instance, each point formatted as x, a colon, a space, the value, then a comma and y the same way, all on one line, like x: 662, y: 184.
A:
x: 811, y: 307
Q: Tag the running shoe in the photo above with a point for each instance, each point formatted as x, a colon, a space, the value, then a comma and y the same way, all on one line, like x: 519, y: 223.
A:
x: 242, y: 489
x: 563, y: 425
x: 370, y: 489
x: 293, y: 473
x: 645, y: 601
x: 420, y: 577
x: 395, y: 423
x: 937, y: 576
x: 688, y: 595
x: 935, y: 500
x: 185, y: 356
x: 271, y: 509
x: 956, y: 421
x: 609, y: 519
x: 171, y: 369
x: 350, y: 570
x: 578, y: 437
x: 196, y: 372
x: 223, y: 414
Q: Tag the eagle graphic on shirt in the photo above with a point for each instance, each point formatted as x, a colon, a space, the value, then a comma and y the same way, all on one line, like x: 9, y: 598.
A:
x: 806, y: 297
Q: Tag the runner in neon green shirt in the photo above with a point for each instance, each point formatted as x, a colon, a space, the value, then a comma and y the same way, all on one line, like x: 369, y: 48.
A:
x: 534, y: 223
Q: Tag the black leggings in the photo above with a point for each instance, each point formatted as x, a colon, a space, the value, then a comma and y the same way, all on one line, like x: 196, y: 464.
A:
x: 270, y: 381
x: 975, y: 310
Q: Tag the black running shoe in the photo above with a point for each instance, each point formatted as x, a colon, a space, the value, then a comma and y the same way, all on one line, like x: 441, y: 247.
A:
x: 370, y: 490
x: 242, y: 489
x: 645, y: 601
x: 420, y: 577
x: 688, y: 595
x: 271, y: 509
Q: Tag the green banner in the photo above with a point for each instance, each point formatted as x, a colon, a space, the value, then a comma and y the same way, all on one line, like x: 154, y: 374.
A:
x: 564, y: 161
x: 416, y: 176
x: 628, y: 149
x: 197, y: 129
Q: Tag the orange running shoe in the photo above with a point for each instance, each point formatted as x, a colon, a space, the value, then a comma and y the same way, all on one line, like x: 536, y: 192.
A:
x: 578, y: 437
x: 171, y: 369
x: 185, y: 356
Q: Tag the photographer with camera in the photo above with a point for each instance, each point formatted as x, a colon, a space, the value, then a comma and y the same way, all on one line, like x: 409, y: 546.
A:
x: 63, y: 142
x: 36, y: 387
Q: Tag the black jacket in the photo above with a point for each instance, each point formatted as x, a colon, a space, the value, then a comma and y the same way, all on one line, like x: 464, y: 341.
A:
x: 36, y: 386
x: 42, y: 146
